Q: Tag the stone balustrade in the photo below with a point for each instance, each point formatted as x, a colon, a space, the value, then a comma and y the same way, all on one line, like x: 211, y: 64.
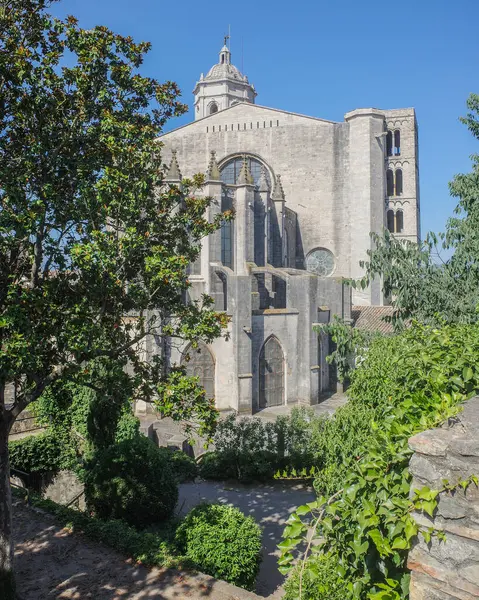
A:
x: 445, y: 570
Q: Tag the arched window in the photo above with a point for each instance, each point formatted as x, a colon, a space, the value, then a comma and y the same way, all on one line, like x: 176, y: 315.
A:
x: 227, y: 231
x: 231, y: 170
x: 397, y: 142
x: 202, y: 365
x: 390, y: 220
x: 389, y: 143
x: 213, y: 108
x: 398, y: 182
x: 399, y: 221
x: 389, y: 182
x: 271, y: 374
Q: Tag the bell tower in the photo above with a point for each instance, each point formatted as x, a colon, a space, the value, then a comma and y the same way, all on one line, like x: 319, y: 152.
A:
x: 223, y: 86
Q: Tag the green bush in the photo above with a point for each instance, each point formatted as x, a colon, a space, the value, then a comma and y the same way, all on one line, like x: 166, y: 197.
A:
x: 321, y: 581
x: 339, y: 442
x: 184, y: 467
x: 133, y: 481
x: 249, y: 449
x: 40, y: 453
x: 222, y: 542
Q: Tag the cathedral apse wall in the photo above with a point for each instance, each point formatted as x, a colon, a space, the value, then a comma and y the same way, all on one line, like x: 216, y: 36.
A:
x: 306, y: 193
x: 309, y: 154
x: 333, y: 174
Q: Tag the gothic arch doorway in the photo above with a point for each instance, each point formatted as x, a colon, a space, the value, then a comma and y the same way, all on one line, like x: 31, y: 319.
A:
x: 201, y: 365
x: 271, y: 374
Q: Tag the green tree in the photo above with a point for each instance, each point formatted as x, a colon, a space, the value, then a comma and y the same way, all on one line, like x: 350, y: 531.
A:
x: 93, y: 245
x: 420, y: 283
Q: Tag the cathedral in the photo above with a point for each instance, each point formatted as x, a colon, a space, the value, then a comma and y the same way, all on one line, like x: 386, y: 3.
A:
x: 306, y: 193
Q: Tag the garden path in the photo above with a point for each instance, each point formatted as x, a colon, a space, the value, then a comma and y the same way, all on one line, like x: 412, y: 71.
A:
x: 269, y: 504
x: 54, y: 564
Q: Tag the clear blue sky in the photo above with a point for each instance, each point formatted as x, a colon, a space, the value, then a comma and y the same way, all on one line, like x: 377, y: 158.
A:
x: 324, y: 59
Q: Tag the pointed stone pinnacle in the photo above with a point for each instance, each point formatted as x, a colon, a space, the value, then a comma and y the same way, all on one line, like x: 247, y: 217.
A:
x: 278, y: 192
x: 263, y: 185
x: 245, y: 177
x: 213, y: 172
x: 174, y: 173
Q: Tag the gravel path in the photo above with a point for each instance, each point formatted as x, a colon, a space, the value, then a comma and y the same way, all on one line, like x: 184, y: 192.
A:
x: 53, y: 563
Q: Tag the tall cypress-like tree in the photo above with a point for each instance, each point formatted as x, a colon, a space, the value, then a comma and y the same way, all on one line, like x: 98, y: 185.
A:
x: 93, y: 245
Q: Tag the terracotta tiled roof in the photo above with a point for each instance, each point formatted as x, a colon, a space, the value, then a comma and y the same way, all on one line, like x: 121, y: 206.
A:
x: 371, y: 318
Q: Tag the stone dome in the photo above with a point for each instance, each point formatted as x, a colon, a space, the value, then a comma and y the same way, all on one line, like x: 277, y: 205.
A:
x: 224, y: 71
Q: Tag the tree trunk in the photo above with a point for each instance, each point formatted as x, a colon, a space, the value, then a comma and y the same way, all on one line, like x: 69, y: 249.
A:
x: 7, y: 584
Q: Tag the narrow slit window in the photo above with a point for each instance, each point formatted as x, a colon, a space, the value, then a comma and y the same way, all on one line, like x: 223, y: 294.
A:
x: 389, y: 182
x: 389, y: 143
x: 397, y: 142
x: 390, y: 220
x: 399, y: 182
x: 399, y: 221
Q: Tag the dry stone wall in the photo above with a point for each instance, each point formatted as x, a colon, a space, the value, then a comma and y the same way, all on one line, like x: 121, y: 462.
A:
x: 444, y: 570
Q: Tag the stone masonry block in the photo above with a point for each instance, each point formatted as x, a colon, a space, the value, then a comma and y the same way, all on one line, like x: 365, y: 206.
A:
x: 448, y: 569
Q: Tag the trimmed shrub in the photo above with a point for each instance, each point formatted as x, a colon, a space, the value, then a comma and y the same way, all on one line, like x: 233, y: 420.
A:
x: 221, y: 541
x: 133, y: 481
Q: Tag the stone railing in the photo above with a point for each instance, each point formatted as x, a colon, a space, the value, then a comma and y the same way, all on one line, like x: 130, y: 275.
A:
x: 444, y: 570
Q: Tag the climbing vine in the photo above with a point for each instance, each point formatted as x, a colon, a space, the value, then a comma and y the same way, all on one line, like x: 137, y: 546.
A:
x: 365, y: 527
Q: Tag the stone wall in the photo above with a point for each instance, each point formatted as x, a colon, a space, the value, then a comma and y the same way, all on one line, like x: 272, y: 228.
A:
x: 64, y: 488
x: 444, y: 570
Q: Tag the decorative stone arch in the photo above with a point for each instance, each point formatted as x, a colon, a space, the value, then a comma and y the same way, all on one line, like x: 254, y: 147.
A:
x: 271, y: 370
x: 201, y: 364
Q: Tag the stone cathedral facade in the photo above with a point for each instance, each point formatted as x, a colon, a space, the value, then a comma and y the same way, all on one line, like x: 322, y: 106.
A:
x: 306, y: 193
